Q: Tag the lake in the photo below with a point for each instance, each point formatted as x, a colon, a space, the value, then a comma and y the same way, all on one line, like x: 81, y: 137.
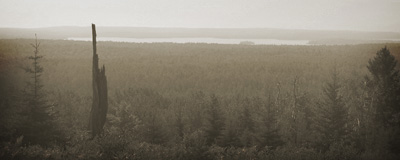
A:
x: 196, y: 40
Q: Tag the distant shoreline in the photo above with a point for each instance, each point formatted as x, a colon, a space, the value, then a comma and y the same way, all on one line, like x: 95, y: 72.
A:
x: 219, y: 33
x: 209, y: 40
x: 196, y: 40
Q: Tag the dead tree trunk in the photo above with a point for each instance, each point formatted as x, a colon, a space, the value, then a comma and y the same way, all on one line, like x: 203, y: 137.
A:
x: 100, y: 101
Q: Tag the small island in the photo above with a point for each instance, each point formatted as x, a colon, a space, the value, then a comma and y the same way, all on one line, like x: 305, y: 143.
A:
x: 247, y: 43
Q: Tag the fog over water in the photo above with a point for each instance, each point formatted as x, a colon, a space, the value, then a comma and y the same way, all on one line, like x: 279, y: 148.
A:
x: 198, y: 40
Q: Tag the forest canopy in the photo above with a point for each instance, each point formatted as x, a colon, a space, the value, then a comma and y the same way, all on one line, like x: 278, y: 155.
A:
x: 208, y: 101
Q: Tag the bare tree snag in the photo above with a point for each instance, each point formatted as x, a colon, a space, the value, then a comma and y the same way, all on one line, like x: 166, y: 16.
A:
x: 100, y: 101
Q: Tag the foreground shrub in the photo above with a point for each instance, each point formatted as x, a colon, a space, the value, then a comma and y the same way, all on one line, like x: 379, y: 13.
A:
x: 193, y: 146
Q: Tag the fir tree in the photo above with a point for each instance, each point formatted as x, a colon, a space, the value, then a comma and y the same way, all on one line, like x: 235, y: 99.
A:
x: 215, y: 121
x: 270, y: 136
x: 231, y: 135
x: 384, y: 97
x: 153, y: 130
x: 39, y: 126
x: 180, y: 126
x: 333, y: 114
x: 300, y: 115
x: 384, y: 86
x: 246, y: 124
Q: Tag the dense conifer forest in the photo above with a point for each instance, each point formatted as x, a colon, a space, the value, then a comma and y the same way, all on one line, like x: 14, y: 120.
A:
x: 200, y: 101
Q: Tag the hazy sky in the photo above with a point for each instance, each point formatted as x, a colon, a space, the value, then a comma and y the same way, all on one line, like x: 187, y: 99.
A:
x: 366, y: 15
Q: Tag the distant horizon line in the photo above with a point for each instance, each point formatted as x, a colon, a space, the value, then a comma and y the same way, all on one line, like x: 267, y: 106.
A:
x: 272, y: 28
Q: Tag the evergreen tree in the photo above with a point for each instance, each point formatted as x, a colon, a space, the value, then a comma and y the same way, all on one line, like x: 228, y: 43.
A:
x: 215, y: 121
x: 196, y: 118
x: 153, y: 129
x: 299, y: 115
x: 245, y: 118
x: 246, y: 124
x: 231, y: 135
x: 384, y: 97
x: 123, y: 117
x: 270, y: 136
x: 384, y: 86
x: 39, y: 126
x: 180, y: 126
x: 333, y: 114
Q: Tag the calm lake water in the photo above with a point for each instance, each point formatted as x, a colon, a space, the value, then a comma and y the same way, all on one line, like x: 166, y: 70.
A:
x: 196, y: 40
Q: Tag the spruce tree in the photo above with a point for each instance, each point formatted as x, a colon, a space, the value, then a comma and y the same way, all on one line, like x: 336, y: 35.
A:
x: 215, y: 121
x: 270, y: 136
x: 246, y: 124
x: 245, y: 118
x: 231, y: 135
x: 179, y: 124
x: 384, y: 97
x: 384, y: 86
x: 299, y: 114
x: 332, y: 114
x: 39, y: 126
x: 153, y: 130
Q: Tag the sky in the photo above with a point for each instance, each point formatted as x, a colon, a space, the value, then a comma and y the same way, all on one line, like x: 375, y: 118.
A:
x: 359, y: 15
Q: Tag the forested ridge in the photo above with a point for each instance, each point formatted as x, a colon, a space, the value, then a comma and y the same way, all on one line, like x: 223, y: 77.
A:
x: 205, y: 101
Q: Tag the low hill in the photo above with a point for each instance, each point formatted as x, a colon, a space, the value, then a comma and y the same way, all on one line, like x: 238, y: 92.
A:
x: 227, y: 33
